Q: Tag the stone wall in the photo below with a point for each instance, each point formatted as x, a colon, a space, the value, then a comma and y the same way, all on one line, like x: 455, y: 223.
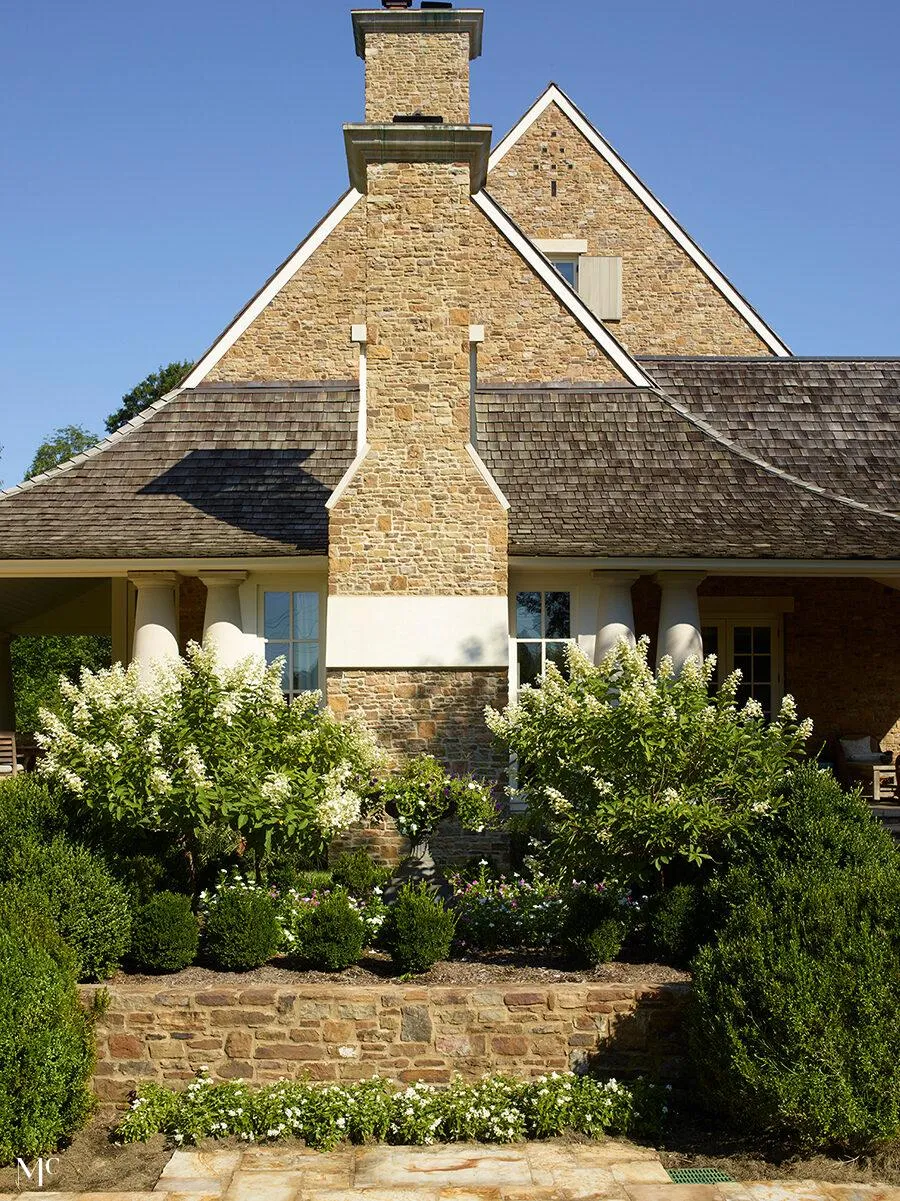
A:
x: 439, y: 712
x: 417, y: 73
x: 668, y: 304
x: 417, y: 519
x: 155, y: 1031
x: 530, y: 337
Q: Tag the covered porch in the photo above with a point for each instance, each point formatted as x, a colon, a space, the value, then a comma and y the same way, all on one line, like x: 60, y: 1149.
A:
x: 827, y: 633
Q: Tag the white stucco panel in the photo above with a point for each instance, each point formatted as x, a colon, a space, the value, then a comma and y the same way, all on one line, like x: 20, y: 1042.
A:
x: 417, y: 631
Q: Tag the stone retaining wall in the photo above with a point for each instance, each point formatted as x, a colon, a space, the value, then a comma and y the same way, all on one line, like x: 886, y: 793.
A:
x: 152, y: 1031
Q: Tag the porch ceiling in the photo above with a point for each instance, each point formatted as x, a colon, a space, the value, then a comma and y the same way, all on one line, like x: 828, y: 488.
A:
x: 55, y: 606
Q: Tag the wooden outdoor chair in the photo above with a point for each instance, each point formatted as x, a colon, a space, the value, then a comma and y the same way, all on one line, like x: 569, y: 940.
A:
x: 861, y: 760
x: 9, y: 763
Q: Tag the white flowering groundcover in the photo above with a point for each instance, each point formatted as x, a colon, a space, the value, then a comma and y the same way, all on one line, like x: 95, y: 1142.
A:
x: 495, y: 1109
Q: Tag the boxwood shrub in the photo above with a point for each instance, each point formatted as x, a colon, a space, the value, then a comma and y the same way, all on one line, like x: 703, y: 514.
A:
x: 794, y: 1026
x: 73, y: 888
x: 334, y: 935
x: 165, y: 934
x: 46, y: 1044
x: 242, y: 930
x: 419, y: 929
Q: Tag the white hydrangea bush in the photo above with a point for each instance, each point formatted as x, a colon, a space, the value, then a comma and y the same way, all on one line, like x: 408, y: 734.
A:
x: 199, y: 746
x: 625, y: 770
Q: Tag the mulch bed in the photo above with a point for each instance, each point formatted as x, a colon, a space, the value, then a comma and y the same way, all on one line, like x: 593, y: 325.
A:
x: 91, y: 1163
x: 695, y: 1141
x: 501, y: 967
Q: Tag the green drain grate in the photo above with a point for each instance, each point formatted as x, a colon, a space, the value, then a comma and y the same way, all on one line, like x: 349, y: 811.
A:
x: 698, y: 1176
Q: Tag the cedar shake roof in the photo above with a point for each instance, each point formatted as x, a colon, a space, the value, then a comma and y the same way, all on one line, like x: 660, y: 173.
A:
x: 225, y: 471
x: 833, y: 422
x: 625, y: 473
x: 245, y: 470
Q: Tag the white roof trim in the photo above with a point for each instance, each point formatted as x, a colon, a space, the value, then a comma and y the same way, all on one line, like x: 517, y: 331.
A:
x: 554, y: 95
x: 561, y: 290
x: 347, y: 478
x: 271, y: 289
x: 485, y: 474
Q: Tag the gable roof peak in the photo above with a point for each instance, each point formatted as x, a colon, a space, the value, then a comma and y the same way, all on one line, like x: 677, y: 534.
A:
x: 554, y: 94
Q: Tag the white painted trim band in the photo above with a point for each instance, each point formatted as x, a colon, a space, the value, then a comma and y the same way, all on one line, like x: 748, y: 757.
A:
x: 417, y: 632
x: 561, y: 290
x: 555, y: 95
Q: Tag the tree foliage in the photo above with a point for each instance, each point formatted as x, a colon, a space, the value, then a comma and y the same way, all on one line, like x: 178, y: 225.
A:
x: 149, y: 390
x: 38, y: 662
x: 63, y: 444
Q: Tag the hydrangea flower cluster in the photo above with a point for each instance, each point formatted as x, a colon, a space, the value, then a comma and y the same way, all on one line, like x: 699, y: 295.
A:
x: 629, y: 769
x: 198, y: 746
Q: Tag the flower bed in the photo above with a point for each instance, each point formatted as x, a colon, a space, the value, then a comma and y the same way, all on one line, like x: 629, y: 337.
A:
x: 496, y: 1109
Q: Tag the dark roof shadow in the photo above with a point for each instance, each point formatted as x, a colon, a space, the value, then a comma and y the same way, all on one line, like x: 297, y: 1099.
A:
x: 264, y: 492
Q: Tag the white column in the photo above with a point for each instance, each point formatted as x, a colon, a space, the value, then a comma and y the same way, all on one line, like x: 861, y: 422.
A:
x: 679, y: 617
x: 615, y: 614
x: 7, y: 696
x: 155, y: 619
x: 222, y: 628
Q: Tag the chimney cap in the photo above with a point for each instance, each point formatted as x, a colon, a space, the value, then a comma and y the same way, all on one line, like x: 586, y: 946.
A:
x: 418, y: 20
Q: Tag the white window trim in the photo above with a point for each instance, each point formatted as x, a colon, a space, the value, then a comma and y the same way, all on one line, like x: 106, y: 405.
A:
x: 561, y: 246
x: 291, y: 585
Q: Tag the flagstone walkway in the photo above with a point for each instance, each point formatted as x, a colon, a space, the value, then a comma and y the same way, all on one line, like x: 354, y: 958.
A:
x: 610, y: 1171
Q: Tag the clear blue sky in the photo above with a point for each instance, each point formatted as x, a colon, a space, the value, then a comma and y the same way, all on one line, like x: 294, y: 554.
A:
x: 159, y: 159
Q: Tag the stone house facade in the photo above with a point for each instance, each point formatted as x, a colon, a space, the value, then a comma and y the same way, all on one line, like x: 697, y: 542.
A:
x: 497, y: 401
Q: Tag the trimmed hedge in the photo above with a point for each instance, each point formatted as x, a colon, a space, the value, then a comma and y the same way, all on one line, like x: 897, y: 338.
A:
x: 794, y: 1021
x: 242, y: 930
x: 334, y: 935
x: 165, y: 934
x: 73, y: 889
x: 46, y: 1045
x: 419, y: 929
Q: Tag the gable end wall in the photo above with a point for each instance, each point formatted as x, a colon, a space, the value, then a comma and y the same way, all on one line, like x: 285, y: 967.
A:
x: 669, y: 305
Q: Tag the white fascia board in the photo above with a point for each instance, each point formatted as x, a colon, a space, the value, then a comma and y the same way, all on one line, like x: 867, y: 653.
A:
x: 613, y: 349
x: 416, y: 632
x: 886, y: 569
x: 485, y: 474
x: 554, y: 95
x: 282, y: 276
x: 19, y: 569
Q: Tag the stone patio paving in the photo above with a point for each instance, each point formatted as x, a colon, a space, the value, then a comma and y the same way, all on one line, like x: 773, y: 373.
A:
x: 610, y: 1171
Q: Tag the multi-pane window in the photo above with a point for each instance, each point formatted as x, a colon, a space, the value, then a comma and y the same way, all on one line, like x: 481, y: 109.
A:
x: 543, y: 630
x: 291, y: 629
x: 749, y: 646
x: 567, y: 266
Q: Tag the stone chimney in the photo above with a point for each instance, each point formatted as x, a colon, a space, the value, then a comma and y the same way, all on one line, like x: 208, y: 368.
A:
x: 418, y: 536
x: 417, y: 61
